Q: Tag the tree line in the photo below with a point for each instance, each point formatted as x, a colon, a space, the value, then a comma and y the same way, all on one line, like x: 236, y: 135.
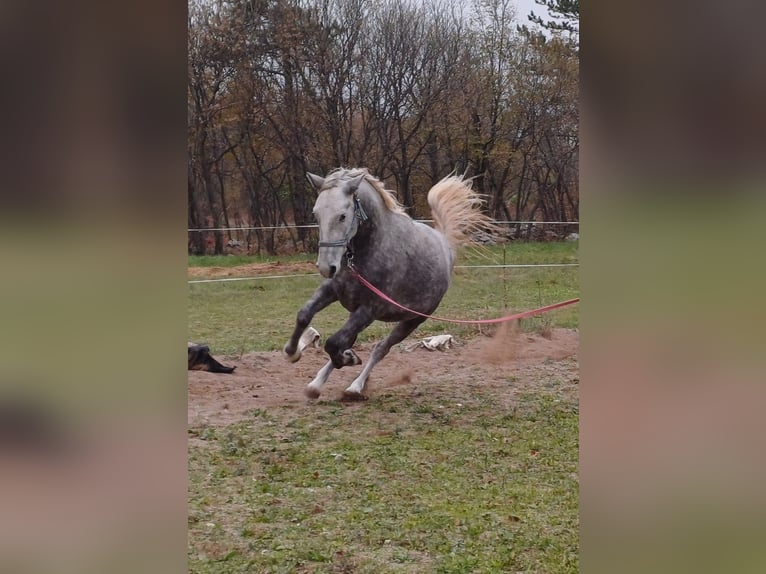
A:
x: 412, y: 90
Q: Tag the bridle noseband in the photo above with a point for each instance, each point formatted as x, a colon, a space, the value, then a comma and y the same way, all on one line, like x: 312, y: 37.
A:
x: 360, y: 216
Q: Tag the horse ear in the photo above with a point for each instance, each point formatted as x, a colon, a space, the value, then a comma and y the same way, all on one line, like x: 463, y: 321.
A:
x: 353, y: 184
x: 315, y: 181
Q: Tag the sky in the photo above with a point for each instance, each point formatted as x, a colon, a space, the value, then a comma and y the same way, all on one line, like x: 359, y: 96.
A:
x: 524, y: 7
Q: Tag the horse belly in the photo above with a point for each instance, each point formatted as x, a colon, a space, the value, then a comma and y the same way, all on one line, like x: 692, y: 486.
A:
x: 422, y: 295
x: 415, y: 276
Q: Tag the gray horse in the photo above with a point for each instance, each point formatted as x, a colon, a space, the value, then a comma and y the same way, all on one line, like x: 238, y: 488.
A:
x: 363, y: 228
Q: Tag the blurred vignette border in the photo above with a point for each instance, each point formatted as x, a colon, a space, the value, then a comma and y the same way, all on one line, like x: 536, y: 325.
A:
x: 672, y: 354
x: 92, y: 380
x: 93, y: 247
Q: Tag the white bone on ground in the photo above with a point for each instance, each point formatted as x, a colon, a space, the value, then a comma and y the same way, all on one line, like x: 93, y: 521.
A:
x: 438, y: 342
x: 310, y: 337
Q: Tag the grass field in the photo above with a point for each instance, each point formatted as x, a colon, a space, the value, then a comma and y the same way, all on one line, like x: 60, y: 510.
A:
x: 392, y: 487
x: 258, y: 315
x: 464, y: 477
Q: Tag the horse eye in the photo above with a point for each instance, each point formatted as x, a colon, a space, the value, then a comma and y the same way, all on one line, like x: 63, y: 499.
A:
x: 343, y: 217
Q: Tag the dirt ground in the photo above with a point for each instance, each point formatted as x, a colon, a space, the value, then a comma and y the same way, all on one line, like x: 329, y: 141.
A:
x: 251, y: 269
x: 510, y: 362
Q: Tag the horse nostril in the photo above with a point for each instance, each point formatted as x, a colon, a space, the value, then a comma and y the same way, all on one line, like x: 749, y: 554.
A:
x: 333, y: 269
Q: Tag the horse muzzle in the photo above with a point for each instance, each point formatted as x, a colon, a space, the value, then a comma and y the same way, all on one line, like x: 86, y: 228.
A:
x: 329, y: 266
x: 327, y: 271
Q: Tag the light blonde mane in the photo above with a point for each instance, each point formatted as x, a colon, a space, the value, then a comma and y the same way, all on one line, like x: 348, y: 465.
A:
x: 387, y: 196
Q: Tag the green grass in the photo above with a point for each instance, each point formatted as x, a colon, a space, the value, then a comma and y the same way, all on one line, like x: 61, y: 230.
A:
x: 398, y: 486
x: 258, y: 315
x: 453, y: 480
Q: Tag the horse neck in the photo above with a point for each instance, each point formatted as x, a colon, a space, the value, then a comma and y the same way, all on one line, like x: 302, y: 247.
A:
x: 379, y: 216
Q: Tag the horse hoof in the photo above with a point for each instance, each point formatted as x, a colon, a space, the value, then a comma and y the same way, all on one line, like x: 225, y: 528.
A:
x: 350, y: 396
x: 294, y: 358
x: 312, y: 393
x: 350, y: 358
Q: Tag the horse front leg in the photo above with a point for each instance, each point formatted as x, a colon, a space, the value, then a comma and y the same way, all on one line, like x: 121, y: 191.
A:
x: 402, y: 330
x: 322, y: 297
x: 314, y: 388
x: 338, y: 346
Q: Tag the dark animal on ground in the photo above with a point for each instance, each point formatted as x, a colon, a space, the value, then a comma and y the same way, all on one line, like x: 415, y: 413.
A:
x: 201, y: 360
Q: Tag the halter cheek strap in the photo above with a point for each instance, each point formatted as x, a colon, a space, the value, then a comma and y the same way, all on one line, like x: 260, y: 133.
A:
x: 360, y: 217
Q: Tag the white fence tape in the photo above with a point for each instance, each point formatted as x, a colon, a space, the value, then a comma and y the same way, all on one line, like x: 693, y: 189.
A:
x: 509, y: 266
x: 224, y: 279
x: 314, y: 226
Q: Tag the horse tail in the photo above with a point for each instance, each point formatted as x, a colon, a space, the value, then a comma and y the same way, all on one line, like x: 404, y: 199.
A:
x: 456, y: 210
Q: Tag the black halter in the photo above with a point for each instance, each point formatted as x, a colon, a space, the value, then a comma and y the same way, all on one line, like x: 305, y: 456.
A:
x: 359, y: 215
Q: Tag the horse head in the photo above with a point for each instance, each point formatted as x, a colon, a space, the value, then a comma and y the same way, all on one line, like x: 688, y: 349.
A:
x: 339, y: 214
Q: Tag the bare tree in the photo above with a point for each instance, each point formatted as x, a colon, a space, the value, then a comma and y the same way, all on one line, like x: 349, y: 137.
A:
x: 411, y: 90
x: 408, y: 44
x: 209, y: 71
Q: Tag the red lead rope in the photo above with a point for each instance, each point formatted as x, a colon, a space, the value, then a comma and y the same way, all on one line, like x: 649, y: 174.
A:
x: 388, y: 299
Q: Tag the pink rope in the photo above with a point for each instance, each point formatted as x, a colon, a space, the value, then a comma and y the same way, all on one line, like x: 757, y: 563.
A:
x: 521, y: 315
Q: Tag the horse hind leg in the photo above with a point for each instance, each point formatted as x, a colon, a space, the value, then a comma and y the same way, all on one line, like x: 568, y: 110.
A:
x: 402, y: 330
x: 314, y: 388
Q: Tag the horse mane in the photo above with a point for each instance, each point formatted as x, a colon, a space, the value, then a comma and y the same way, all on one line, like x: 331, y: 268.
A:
x: 387, y: 196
